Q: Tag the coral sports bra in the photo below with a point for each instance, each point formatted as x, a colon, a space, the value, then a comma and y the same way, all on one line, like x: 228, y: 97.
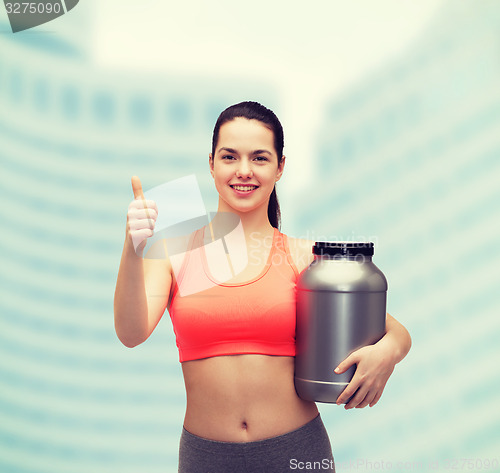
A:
x: 257, y: 316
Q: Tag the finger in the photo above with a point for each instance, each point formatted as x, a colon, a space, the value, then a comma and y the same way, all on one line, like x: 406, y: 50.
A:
x: 346, y: 364
x: 137, y: 188
x: 143, y: 204
x: 141, y: 213
x: 367, y: 400
x: 349, y: 391
x: 358, y: 397
x: 376, y: 398
x: 378, y: 395
x: 142, y: 224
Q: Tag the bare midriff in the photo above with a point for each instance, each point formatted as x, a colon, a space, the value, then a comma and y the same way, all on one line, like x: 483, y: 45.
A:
x: 243, y: 398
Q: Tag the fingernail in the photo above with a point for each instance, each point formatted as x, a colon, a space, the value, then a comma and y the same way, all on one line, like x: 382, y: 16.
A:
x: 337, y: 369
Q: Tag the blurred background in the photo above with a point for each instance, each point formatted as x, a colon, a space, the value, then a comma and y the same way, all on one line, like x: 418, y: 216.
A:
x: 391, y: 113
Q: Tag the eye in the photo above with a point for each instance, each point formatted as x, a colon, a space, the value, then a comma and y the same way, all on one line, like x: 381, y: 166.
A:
x: 261, y: 158
x: 227, y: 157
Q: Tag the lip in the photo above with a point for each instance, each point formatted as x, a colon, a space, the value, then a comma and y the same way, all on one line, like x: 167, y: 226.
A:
x: 243, y: 193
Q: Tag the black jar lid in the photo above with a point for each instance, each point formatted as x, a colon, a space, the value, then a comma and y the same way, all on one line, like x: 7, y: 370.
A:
x: 351, y: 248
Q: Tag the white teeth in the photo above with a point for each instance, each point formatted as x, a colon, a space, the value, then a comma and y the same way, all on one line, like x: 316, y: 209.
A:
x: 244, y: 188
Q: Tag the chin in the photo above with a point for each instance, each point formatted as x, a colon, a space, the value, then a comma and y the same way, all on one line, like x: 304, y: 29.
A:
x: 241, y: 207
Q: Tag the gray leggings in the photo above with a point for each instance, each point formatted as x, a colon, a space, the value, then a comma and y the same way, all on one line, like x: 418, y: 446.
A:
x: 306, y: 449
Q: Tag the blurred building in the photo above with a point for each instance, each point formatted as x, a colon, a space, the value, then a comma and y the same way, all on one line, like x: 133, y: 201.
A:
x: 73, y: 399
x: 409, y: 158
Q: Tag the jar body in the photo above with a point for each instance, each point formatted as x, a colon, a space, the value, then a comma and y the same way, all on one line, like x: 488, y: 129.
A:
x: 341, y: 306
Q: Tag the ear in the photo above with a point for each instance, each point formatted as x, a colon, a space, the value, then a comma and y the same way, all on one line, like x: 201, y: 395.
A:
x: 211, y: 164
x: 281, y: 168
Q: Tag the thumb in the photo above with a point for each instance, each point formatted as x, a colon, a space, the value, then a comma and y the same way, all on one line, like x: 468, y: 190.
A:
x: 137, y: 188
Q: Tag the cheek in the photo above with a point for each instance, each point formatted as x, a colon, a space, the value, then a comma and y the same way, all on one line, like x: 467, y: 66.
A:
x: 269, y: 177
x: 220, y: 175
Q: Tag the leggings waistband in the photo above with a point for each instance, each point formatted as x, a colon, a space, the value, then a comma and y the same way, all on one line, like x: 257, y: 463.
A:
x: 281, y: 441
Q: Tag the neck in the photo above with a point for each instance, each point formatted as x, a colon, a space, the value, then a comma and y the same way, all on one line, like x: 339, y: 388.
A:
x: 254, y: 222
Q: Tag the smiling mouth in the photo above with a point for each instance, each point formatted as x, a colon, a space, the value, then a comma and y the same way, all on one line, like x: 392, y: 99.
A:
x: 244, y: 188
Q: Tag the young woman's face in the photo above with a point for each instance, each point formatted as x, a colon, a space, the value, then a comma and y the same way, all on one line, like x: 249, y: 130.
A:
x: 245, y: 164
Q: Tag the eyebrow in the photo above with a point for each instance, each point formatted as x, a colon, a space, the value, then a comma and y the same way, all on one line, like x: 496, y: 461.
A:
x: 261, y: 151
x: 257, y: 151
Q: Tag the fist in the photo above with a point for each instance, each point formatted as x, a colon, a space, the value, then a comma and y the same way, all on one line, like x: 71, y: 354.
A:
x: 141, y: 217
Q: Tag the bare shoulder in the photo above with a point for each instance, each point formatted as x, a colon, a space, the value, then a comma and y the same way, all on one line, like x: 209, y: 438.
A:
x: 301, y: 252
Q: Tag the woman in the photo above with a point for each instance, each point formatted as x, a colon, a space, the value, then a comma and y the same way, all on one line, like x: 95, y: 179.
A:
x: 236, y: 337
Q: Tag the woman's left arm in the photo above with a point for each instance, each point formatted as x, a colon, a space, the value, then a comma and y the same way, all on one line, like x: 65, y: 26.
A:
x: 375, y: 363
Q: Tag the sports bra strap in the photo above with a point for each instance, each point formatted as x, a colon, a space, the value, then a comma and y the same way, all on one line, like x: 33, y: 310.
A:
x: 282, y: 241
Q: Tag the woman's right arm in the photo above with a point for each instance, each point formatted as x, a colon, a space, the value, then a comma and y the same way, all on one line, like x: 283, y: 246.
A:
x: 143, y: 285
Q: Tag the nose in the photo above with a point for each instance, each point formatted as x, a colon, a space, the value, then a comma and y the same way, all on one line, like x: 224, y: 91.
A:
x: 244, y: 169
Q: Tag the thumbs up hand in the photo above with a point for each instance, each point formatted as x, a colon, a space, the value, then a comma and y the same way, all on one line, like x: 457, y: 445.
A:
x: 141, y: 218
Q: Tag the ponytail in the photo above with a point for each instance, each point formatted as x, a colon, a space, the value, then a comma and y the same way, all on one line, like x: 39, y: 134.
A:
x: 273, y: 210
